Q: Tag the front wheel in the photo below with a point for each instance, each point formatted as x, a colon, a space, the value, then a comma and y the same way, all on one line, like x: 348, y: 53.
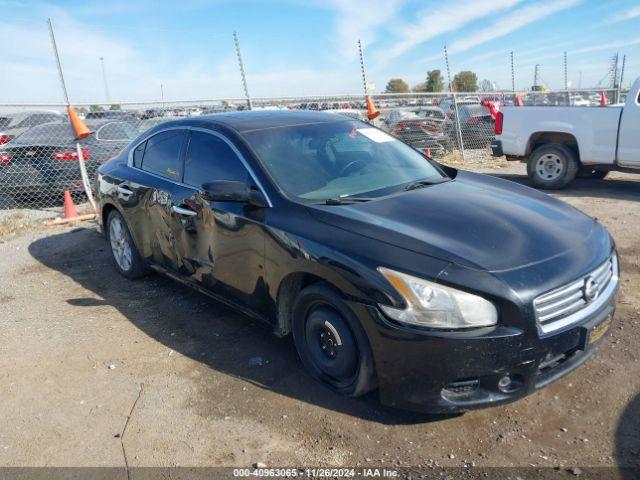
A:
x: 552, y: 166
x: 331, y: 343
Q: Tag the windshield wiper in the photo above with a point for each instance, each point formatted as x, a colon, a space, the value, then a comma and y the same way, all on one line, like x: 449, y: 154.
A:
x: 346, y: 200
x: 423, y: 183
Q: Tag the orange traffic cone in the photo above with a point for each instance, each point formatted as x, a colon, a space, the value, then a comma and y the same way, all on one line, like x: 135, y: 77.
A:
x: 371, y: 109
x: 518, y: 102
x: 603, y: 99
x: 69, y: 208
x: 70, y: 213
x: 79, y: 126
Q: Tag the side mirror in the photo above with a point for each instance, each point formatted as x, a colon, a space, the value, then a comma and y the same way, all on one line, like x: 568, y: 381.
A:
x: 233, y: 191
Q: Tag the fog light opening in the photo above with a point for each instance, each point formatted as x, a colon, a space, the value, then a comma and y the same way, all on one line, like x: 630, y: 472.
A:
x: 461, y: 387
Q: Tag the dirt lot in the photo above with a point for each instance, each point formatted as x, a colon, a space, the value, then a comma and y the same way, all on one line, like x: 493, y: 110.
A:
x: 98, y: 370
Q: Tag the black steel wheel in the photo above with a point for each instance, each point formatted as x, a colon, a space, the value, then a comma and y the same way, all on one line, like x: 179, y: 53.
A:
x: 331, y: 342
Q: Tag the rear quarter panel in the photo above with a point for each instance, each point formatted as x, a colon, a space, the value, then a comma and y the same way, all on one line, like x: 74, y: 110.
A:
x: 595, y: 129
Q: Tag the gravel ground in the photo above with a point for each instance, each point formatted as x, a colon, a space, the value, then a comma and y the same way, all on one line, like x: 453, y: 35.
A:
x: 96, y: 370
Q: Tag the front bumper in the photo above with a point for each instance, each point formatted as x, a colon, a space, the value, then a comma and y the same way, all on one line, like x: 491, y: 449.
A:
x: 447, y: 372
x: 496, y: 148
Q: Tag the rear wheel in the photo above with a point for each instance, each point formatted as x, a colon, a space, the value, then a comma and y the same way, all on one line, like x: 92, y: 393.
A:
x: 125, y: 256
x: 591, y: 173
x: 331, y: 343
x: 552, y: 166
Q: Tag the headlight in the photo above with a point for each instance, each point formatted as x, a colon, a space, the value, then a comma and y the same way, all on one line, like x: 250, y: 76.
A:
x: 436, y: 306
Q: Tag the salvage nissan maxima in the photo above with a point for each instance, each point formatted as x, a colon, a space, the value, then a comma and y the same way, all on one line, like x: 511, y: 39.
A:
x: 445, y: 290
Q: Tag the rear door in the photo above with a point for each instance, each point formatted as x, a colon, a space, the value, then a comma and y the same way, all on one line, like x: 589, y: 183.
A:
x: 152, y: 191
x: 629, y: 138
x: 220, y: 244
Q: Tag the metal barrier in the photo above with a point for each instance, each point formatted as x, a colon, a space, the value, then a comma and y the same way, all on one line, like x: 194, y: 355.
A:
x: 39, y: 159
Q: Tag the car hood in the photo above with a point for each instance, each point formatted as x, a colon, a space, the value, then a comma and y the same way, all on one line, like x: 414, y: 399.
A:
x: 476, y: 221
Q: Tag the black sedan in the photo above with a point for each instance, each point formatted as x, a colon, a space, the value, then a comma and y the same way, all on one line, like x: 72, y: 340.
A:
x: 443, y: 289
x: 44, y: 159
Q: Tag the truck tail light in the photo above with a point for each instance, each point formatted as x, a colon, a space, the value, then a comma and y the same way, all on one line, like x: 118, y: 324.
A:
x: 5, y: 138
x: 66, y: 155
x: 497, y: 126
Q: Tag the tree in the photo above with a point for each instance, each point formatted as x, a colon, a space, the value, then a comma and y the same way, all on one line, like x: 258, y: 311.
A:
x: 115, y: 106
x: 434, y: 81
x: 95, y: 108
x: 420, y: 88
x: 486, y: 86
x: 465, y: 81
x: 397, y: 85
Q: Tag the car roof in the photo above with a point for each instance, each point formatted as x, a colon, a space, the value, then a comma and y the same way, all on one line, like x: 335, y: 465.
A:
x: 246, y: 121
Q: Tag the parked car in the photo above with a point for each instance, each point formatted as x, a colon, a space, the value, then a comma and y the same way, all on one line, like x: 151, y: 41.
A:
x: 561, y: 143
x: 448, y: 107
x: 445, y: 290
x: 111, y: 114
x: 476, y: 126
x: 43, y: 159
x: 13, y: 124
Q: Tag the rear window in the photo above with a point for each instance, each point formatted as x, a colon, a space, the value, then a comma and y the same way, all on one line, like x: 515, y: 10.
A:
x: 59, y: 133
x: 163, y: 154
x: 116, y: 131
x: 475, y: 110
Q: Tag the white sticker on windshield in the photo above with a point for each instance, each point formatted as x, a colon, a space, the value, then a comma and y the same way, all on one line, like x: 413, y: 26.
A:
x: 376, y: 135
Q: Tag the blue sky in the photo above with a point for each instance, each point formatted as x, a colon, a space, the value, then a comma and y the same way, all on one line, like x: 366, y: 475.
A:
x: 302, y: 47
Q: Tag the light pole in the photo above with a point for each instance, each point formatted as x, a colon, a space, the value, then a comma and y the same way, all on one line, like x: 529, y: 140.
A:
x: 104, y: 79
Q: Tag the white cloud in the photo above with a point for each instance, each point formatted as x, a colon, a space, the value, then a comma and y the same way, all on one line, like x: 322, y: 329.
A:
x: 434, y: 22
x: 633, y: 12
x: 360, y: 19
x: 512, y: 22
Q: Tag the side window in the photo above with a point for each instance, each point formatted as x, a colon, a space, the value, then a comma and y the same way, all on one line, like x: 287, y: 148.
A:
x: 210, y: 158
x: 138, y: 153
x: 162, y: 154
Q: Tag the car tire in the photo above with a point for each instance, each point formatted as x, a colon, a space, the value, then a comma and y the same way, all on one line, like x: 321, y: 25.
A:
x: 592, y: 174
x: 331, y: 342
x: 552, y: 166
x: 124, y: 253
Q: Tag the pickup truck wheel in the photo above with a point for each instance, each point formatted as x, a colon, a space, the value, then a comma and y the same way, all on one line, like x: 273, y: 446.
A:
x: 552, y: 166
x: 593, y: 174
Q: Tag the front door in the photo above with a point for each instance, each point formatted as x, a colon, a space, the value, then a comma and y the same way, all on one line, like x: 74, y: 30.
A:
x: 220, y: 244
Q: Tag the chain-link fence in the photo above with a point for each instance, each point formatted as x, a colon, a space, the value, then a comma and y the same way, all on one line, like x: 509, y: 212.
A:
x: 39, y: 153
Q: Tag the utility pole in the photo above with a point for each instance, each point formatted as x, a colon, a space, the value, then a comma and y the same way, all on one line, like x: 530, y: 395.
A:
x: 535, y: 75
x: 580, y: 79
x: 455, y: 103
x: 513, y: 75
x: 362, y: 69
x: 624, y: 60
x: 162, y: 95
x: 614, y: 76
x: 566, y: 76
x: 104, y: 79
x: 242, y: 74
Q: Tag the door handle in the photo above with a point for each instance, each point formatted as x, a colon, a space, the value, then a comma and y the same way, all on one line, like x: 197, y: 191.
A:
x: 184, y: 211
x: 124, y: 190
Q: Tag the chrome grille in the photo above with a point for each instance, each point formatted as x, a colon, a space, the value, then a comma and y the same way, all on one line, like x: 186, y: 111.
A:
x: 573, y: 297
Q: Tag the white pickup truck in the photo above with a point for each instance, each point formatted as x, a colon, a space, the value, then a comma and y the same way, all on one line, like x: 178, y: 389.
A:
x: 560, y: 143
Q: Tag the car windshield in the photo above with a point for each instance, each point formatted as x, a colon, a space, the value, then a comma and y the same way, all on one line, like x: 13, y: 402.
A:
x: 339, y: 159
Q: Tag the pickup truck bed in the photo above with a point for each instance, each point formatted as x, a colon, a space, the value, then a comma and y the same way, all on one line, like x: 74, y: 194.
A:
x: 560, y: 143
